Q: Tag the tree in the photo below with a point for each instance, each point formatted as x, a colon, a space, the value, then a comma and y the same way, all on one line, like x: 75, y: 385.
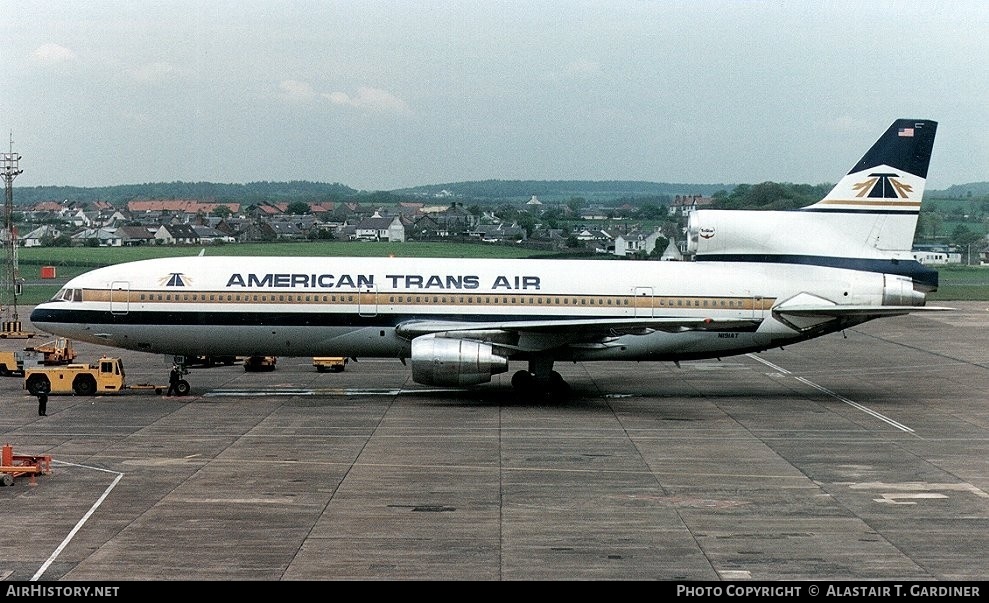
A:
x: 221, y: 211
x: 575, y: 204
x: 298, y: 208
x: 963, y: 236
x: 651, y: 211
x: 660, y: 248
x: 526, y: 222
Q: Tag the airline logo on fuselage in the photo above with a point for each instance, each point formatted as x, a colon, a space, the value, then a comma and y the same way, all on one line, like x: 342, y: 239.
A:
x: 883, y: 186
x: 175, y: 279
x: 447, y: 282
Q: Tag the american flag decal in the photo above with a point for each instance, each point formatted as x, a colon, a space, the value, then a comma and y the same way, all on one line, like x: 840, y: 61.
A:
x: 908, y: 132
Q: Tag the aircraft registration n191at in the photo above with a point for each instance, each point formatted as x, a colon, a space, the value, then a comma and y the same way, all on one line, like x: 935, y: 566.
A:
x: 758, y: 280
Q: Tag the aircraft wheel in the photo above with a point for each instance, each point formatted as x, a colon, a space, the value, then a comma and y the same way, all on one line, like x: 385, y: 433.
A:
x: 522, y: 381
x: 39, y: 385
x: 559, y: 390
x: 183, y: 388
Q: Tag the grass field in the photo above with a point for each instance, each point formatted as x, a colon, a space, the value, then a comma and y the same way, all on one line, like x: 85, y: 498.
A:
x: 956, y: 282
x: 962, y: 283
x: 73, y: 261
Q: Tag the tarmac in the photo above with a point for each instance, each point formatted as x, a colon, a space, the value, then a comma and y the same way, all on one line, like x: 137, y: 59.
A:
x: 857, y: 456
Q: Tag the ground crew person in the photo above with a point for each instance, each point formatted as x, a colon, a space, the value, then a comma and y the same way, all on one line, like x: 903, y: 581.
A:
x: 173, y: 381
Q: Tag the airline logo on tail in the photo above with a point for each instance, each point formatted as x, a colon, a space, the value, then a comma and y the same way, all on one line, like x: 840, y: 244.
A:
x: 884, y: 186
x: 878, y: 188
x: 890, y: 177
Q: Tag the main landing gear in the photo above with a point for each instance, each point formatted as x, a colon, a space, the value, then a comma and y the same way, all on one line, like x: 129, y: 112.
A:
x: 180, y: 368
x: 541, y: 380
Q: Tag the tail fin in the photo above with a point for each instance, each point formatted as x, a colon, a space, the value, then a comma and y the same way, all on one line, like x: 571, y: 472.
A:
x: 866, y: 222
x: 889, y: 179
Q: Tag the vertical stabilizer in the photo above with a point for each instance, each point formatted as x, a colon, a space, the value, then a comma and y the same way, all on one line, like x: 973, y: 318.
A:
x: 888, y: 183
x: 866, y: 222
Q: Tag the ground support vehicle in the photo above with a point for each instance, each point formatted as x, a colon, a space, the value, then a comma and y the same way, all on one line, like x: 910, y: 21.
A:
x: 15, y: 465
x: 104, y: 377
x: 333, y: 364
x: 258, y: 364
x: 52, y: 353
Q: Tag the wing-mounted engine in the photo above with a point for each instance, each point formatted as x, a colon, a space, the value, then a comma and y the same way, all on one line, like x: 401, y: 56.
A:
x: 444, y: 361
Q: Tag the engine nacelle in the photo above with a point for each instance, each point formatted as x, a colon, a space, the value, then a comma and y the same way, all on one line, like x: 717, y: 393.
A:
x: 444, y: 361
x: 900, y: 291
x: 733, y: 232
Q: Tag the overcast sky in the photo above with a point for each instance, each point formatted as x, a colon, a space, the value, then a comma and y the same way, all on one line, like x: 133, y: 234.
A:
x: 398, y: 93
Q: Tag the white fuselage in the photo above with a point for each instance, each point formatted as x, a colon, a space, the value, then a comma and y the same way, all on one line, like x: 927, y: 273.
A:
x: 295, y: 306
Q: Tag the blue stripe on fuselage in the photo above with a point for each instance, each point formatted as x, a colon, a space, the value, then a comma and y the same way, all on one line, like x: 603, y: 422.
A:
x: 910, y: 268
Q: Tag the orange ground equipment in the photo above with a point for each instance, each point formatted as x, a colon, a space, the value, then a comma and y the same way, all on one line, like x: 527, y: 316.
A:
x: 17, y: 465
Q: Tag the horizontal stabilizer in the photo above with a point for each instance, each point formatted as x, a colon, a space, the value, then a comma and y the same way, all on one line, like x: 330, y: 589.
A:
x: 836, y: 311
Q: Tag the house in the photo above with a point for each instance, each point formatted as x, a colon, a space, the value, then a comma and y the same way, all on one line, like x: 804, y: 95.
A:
x: 452, y: 220
x: 672, y: 253
x: 595, y: 213
x: 176, y: 234
x: 287, y: 229
x: 426, y: 227
x: 100, y: 237
x: 586, y: 234
x: 184, y: 207
x: 209, y: 235
x: 377, y: 228
x: 251, y: 232
x: 79, y: 218
x: 114, y: 218
x: 636, y: 243
x: 494, y: 233
x: 42, y: 235
x: 685, y: 205
x: 134, y: 236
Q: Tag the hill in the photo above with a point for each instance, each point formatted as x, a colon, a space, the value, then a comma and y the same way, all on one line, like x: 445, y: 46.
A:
x: 298, y: 190
x: 502, y: 190
x: 962, y: 191
x: 559, y: 189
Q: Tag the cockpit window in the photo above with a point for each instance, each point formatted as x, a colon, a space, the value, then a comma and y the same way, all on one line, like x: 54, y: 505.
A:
x: 69, y: 295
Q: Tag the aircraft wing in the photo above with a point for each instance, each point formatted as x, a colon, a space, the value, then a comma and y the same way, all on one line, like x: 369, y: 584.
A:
x: 589, y: 325
x: 534, y: 335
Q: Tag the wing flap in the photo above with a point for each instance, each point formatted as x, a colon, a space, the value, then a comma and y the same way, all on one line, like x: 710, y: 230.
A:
x: 579, y: 326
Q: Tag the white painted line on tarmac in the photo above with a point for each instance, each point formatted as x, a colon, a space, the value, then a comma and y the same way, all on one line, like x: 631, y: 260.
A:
x: 825, y: 390
x: 769, y: 364
x: 291, y: 391
x: 81, y: 522
x: 854, y: 404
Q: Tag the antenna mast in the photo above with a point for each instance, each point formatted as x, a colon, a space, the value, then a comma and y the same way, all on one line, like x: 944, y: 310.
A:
x: 10, y: 282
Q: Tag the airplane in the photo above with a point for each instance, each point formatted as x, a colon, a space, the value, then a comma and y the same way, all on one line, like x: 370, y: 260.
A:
x: 758, y: 280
